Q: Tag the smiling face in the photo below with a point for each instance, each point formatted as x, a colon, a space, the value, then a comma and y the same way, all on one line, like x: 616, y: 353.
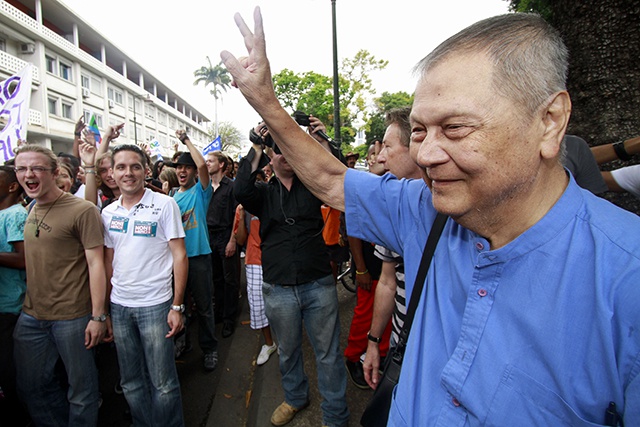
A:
x: 478, y: 151
x: 395, y: 156
x: 38, y: 185
x: 186, y: 175
x: 129, y: 173
x: 105, y: 172
x: 63, y: 180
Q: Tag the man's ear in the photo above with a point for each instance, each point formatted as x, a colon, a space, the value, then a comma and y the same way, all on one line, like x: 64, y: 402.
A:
x: 555, y: 118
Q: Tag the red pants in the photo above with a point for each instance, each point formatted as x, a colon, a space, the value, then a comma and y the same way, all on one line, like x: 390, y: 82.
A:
x: 361, y: 323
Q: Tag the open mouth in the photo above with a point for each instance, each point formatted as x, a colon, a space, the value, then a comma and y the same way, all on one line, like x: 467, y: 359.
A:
x: 32, y: 185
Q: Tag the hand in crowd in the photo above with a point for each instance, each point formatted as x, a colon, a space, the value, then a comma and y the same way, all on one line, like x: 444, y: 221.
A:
x: 175, y: 320
x: 87, y: 153
x: 230, y: 249
x: 108, y: 336
x: 94, y: 333
x: 88, y: 136
x: 371, y: 365
x: 113, y: 132
x: 363, y: 280
x: 315, y: 126
x: 181, y: 134
x: 144, y: 147
x: 80, y: 125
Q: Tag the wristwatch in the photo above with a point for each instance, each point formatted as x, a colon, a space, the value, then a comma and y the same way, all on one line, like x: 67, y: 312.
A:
x: 101, y: 318
x: 373, y: 339
x: 179, y: 308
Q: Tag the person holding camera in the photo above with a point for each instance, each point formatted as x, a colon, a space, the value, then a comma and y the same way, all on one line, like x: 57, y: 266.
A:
x: 298, y: 283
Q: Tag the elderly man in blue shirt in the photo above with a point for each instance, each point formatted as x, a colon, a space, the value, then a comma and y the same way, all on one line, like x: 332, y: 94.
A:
x: 530, y: 313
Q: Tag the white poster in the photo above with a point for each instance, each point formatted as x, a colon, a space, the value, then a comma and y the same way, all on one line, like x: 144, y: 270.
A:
x: 15, y: 94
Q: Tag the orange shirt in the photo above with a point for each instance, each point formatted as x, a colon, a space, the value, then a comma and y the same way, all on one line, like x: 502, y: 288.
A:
x: 331, y: 231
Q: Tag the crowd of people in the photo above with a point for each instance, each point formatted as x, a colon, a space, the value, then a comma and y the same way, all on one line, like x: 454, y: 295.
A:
x: 529, y: 312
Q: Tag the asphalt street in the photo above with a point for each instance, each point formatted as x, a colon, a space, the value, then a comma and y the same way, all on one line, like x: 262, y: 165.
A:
x: 237, y: 393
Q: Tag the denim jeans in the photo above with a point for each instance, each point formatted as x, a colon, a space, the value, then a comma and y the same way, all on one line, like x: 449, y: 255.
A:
x: 148, y: 372
x: 37, y: 346
x: 316, y: 304
x: 199, y: 283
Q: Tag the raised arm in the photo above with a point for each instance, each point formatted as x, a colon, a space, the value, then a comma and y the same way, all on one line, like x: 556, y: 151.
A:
x: 198, y: 158
x: 320, y: 172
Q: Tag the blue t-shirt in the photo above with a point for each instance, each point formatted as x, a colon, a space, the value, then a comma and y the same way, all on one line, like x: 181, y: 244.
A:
x: 12, y: 281
x: 544, y: 331
x: 193, y: 204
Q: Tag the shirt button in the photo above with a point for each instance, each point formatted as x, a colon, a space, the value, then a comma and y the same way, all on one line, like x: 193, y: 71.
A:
x: 455, y: 402
x: 482, y: 292
x: 479, y: 246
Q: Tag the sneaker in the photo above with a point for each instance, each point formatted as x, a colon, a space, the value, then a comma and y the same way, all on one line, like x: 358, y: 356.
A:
x: 356, y: 373
x: 210, y: 361
x: 285, y: 413
x: 265, y: 352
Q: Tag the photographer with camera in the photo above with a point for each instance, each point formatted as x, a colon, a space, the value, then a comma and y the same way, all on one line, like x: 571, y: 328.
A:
x: 298, y: 283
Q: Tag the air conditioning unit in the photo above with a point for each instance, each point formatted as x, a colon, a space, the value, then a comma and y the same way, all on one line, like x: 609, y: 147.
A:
x: 27, y: 48
x: 85, y: 92
x: 111, y: 103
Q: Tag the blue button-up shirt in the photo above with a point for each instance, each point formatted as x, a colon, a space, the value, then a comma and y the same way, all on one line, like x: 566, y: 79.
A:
x: 541, y: 332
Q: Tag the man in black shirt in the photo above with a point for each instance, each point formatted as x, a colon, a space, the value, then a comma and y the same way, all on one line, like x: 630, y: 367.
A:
x: 225, y: 259
x: 298, y: 284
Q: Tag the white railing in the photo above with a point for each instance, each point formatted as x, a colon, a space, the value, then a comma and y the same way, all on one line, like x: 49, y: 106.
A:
x: 58, y: 40
x: 12, y: 65
x: 35, y: 117
x: 19, y: 16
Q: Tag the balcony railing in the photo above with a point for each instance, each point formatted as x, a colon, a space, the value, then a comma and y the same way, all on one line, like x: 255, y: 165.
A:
x: 11, y: 65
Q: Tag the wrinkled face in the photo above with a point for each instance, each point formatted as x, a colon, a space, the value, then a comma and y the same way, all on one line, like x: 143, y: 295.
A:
x: 63, y: 180
x: 105, y: 172
x: 186, y: 175
x: 128, y: 172
x: 39, y: 182
x: 395, y: 156
x: 475, y: 147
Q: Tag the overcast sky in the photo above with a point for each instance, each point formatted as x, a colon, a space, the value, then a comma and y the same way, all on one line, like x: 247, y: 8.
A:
x: 171, y: 39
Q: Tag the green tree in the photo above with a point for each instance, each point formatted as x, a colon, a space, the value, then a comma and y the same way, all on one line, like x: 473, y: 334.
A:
x: 375, y: 126
x: 230, y: 136
x: 217, y: 76
x: 313, y: 93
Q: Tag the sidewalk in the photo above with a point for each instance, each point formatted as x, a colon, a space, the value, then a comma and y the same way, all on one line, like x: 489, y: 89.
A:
x: 246, y: 394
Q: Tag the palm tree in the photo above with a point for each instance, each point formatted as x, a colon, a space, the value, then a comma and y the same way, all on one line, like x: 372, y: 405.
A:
x: 218, y: 76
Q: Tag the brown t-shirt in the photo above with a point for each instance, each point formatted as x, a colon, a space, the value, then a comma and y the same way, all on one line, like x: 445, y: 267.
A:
x: 57, y: 271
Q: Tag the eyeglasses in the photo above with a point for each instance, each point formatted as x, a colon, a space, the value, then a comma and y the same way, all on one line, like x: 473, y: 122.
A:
x: 21, y: 170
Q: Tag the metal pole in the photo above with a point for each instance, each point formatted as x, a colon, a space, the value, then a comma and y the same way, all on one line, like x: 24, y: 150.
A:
x: 336, y: 87
x: 135, y: 125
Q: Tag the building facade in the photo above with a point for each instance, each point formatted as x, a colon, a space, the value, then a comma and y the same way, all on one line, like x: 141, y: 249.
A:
x: 78, y: 72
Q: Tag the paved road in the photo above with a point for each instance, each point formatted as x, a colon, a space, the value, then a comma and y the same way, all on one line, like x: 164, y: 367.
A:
x: 238, y: 393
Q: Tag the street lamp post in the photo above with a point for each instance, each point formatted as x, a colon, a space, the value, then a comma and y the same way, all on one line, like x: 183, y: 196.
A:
x: 336, y: 87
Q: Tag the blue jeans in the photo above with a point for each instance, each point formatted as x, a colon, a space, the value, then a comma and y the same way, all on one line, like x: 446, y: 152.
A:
x: 37, y: 346
x: 316, y: 304
x: 148, y: 372
x: 200, y: 284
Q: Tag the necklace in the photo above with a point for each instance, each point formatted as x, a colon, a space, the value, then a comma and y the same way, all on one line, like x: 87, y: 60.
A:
x: 45, y: 214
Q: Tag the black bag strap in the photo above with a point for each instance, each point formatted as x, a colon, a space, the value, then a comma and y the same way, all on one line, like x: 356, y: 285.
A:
x: 420, y: 283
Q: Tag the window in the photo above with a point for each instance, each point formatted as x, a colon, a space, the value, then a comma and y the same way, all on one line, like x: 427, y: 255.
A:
x: 3, y: 45
x: 162, y: 117
x: 67, y: 110
x: 115, y: 95
x: 87, y: 118
x: 52, y: 104
x: 150, y: 136
x: 163, y: 140
x: 172, y: 123
x: 51, y: 64
x: 85, y: 81
x: 96, y: 86
x: 65, y: 71
x: 138, y: 105
x: 150, y: 112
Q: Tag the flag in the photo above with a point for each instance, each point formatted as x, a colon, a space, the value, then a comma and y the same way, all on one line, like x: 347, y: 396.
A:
x: 216, y: 145
x: 93, y: 127
x: 154, y: 147
x: 15, y: 94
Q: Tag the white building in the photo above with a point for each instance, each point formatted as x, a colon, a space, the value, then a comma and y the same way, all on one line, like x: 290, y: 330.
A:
x: 78, y: 72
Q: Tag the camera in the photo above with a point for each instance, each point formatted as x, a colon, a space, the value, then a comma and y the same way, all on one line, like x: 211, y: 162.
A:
x: 260, y: 138
x: 301, y: 118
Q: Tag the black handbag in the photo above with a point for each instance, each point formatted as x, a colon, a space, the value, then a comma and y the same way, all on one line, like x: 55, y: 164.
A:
x: 376, y: 414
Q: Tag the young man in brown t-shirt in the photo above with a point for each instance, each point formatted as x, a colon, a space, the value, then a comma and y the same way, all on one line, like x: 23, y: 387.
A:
x: 64, y: 310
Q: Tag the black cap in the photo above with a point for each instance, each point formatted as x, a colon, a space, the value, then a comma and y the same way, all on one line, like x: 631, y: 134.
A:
x: 184, y: 159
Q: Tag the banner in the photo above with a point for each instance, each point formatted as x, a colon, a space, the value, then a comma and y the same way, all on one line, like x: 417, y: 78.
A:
x: 155, y: 149
x: 216, y: 145
x: 15, y: 94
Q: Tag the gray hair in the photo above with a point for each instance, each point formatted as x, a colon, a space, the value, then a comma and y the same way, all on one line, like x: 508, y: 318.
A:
x: 529, y: 57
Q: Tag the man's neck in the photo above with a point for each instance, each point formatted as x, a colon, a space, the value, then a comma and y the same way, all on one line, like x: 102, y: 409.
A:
x: 187, y: 186
x: 50, y: 196
x: 130, y: 200
x: 216, y: 178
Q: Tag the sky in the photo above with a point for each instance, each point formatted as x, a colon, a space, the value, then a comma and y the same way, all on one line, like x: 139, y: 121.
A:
x: 171, y: 39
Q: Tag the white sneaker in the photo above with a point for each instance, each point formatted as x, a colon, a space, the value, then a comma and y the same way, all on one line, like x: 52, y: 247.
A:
x: 265, y: 352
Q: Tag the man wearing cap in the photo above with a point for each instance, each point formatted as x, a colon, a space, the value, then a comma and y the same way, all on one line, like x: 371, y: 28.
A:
x: 352, y: 158
x: 193, y: 200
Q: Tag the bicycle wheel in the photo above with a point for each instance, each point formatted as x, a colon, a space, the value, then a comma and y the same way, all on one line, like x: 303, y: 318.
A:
x: 345, y: 275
